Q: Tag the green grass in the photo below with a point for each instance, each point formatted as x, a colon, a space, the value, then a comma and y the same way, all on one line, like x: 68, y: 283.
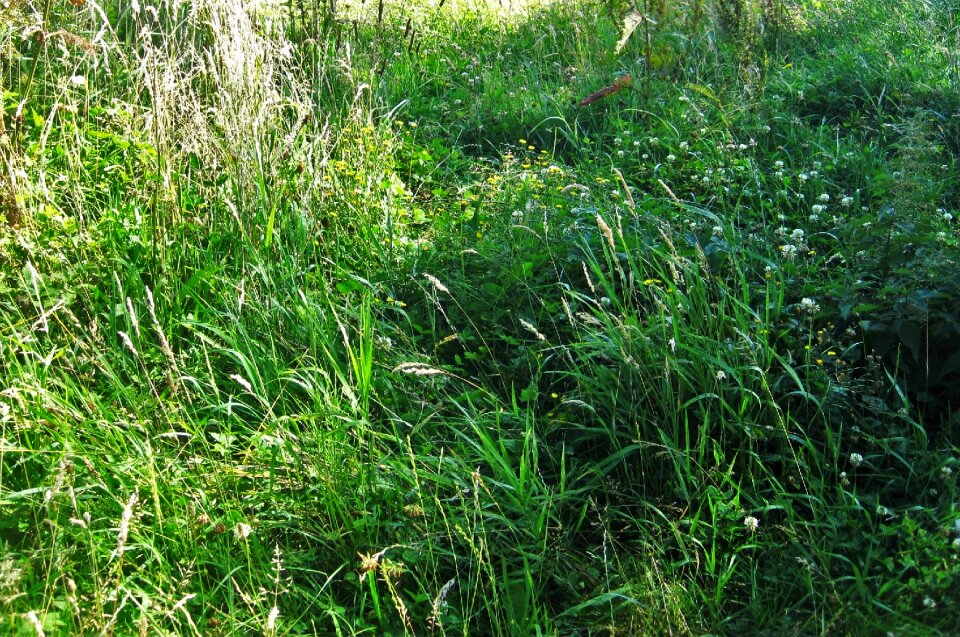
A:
x: 357, y: 323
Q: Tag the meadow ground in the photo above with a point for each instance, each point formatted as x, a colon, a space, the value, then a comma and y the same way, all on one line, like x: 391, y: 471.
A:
x: 464, y: 318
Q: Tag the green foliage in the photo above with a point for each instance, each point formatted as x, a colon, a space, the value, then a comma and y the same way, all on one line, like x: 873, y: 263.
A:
x: 342, y: 320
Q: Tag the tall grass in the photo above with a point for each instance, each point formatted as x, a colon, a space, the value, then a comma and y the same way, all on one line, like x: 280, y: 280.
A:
x: 343, y: 320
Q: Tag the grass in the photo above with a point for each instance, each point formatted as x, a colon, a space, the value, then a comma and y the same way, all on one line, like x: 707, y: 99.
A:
x: 325, y: 319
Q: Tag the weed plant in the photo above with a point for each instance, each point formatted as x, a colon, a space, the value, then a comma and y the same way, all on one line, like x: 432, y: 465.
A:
x: 356, y: 319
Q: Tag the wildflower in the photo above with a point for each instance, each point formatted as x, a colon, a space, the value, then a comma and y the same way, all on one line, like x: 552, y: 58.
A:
x: 809, y: 305
x: 242, y: 531
x: 947, y: 217
x: 78, y: 80
x: 789, y: 251
x: 673, y: 344
x: 817, y: 209
x: 721, y: 375
x: 824, y: 197
x: 751, y: 523
x: 946, y: 472
x: 846, y: 202
x: 778, y: 164
x: 718, y: 231
x: 797, y: 235
x: 856, y: 459
x: 671, y: 158
x: 929, y: 602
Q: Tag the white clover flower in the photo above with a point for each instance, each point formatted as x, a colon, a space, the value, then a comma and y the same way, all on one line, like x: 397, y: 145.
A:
x: 817, y: 209
x: 803, y: 176
x: 751, y: 523
x: 242, y: 531
x: 721, y: 375
x: 947, y: 217
x: 846, y: 201
x: 946, y: 472
x: 671, y: 158
x: 778, y: 164
x: 808, y: 305
x: 636, y: 142
x: 620, y: 153
x: 856, y: 459
x: 718, y: 231
x: 789, y: 251
x: 929, y: 602
x: 684, y: 145
x: 824, y: 197
x: 797, y: 235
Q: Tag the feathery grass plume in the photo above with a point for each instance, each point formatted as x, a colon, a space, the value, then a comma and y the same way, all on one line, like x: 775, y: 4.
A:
x: 172, y: 371
x: 626, y: 189
x: 418, y: 369
x: 133, y: 317
x: 243, y: 382
x: 589, y: 279
x: 35, y: 623
x: 124, y: 531
x: 435, y: 282
x: 439, y: 603
x: 530, y: 327
x: 127, y: 342
x: 606, y: 232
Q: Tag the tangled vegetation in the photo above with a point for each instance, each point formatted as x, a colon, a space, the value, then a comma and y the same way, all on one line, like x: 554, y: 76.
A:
x: 480, y: 318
